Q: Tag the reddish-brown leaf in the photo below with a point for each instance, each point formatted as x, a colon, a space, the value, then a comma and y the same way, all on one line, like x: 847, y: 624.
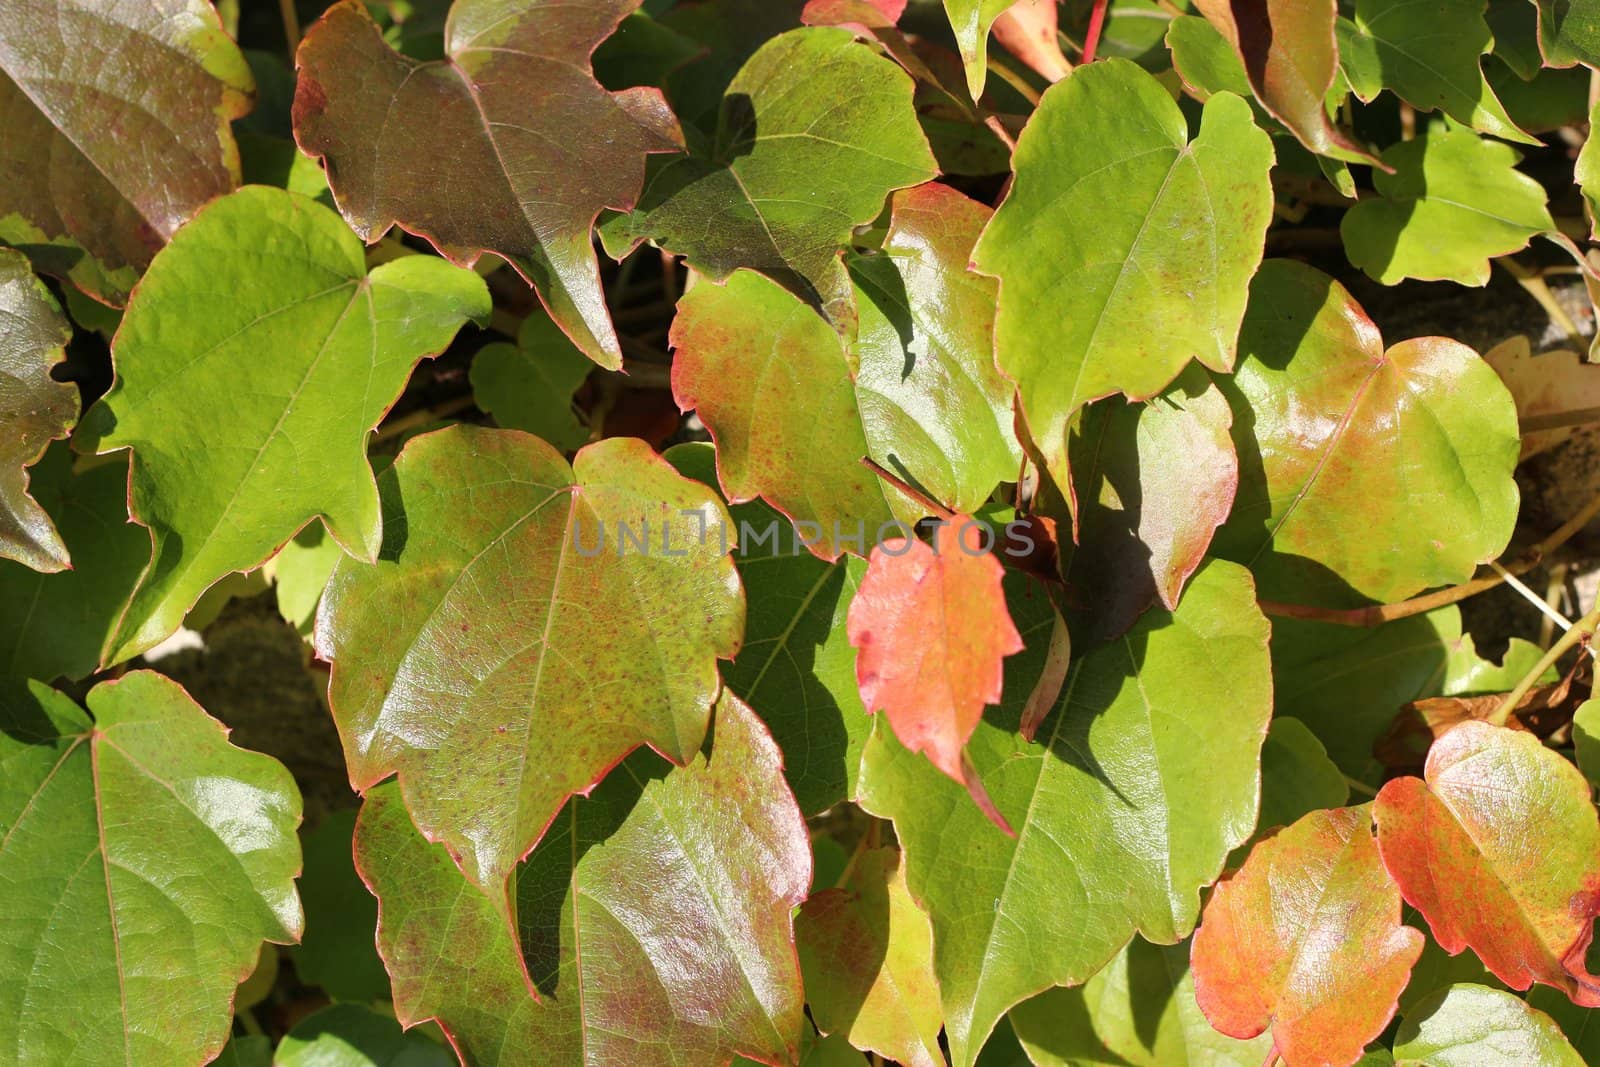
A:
x: 931, y: 630
x: 1290, y: 55
x: 511, y: 122
x: 116, y: 121
x: 1306, y: 938
x: 1028, y: 30
x: 1500, y: 851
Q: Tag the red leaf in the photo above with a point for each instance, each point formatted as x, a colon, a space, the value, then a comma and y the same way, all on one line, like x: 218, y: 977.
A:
x: 1500, y: 851
x: 1307, y: 939
x: 931, y: 628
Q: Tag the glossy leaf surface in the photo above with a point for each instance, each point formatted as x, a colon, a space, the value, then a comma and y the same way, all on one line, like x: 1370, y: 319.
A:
x: 34, y: 409
x: 678, y: 890
x: 1091, y: 302
x: 513, y: 121
x: 1569, y: 32
x: 1144, y: 777
x: 1419, y: 439
x: 1473, y: 1026
x: 272, y: 285
x: 465, y: 654
x: 972, y: 20
x: 866, y: 952
x: 1498, y: 849
x: 1291, y: 58
x: 796, y: 668
x: 143, y: 860
x: 1306, y: 939
x: 815, y: 132
x: 117, y: 131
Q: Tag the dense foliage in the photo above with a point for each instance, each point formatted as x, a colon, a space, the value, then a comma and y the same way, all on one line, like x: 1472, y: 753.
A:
x: 829, y: 532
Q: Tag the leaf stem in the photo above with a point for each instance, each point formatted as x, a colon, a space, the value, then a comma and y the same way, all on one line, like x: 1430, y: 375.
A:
x: 421, y: 417
x: 933, y: 506
x: 1581, y: 631
x: 1378, y: 614
x: 1361, y: 787
x: 1091, y: 39
x: 291, y: 26
x: 1013, y: 79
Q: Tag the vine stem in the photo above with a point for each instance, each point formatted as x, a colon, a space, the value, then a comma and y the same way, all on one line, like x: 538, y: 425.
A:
x: 421, y: 417
x: 933, y: 506
x: 1091, y: 40
x: 1378, y: 614
x: 1360, y: 787
x: 1581, y: 631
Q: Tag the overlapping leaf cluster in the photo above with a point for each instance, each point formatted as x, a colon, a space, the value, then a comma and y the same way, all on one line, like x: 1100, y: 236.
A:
x: 921, y: 574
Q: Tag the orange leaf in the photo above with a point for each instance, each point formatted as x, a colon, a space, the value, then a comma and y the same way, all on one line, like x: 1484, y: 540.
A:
x: 931, y: 628
x: 1500, y: 851
x: 1307, y: 939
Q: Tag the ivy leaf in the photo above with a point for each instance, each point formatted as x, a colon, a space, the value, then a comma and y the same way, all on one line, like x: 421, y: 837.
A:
x: 1144, y: 778
x: 1290, y: 58
x: 1306, y: 939
x: 1328, y: 423
x: 678, y: 890
x: 1138, y: 1011
x: 815, y: 132
x: 144, y: 861
x: 1469, y: 1025
x: 269, y: 281
x: 972, y: 20
x: 529, y: 386
x: 796, y: 668
x: 1205, y: 60
x: 511, y: 121
x: 1297, y: 777
x: 1498, y: 850
x: 1123, y: 249
x: 1030, y: 30
x: 1454, y: 202
x: 931, y: 631
x: 52, y: 625
x: 1569, y: 32
x: 337, y: 951
x: 794, y: 408
x: 866, y: 952
x: 300, y: 572
x: 353, y: 1035
x: 1430, y: 56
x: 117, y: 131
x: 1152, y: 483
x: 492, y: 717
x: 34, y: 409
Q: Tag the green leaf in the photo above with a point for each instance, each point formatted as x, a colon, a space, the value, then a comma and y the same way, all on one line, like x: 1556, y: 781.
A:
x: 1138, y: 1011
x: 1454, y: 202
x: 1586, y: 171
x: 338, y: 951
x: 866, y: 952
x: 466, y: 659
x: 815, y: 132
x: 300, y: 572
x: 1123, y: 249
x: 972, y: 20
x: 1569, y: 32
x: 352, y: 1035
x: 678, y: 890
x: 117, y: 131
x: 250, y: 1050
x: 796, y: 668
x: 529, y: 386
x: 34, y: 409
x: 1429, y: 52
x: 1362, y: 471
x: 1152, y: 483
x: 262, y: 308
x: 1144, y: 778
x: 144, y: 860
x: 1297, y: 777
x: 511, y: 122
x: 1205, y: 60
x: 1474, y: 1026
x: 52, y: 625
x: 1586, y: 738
